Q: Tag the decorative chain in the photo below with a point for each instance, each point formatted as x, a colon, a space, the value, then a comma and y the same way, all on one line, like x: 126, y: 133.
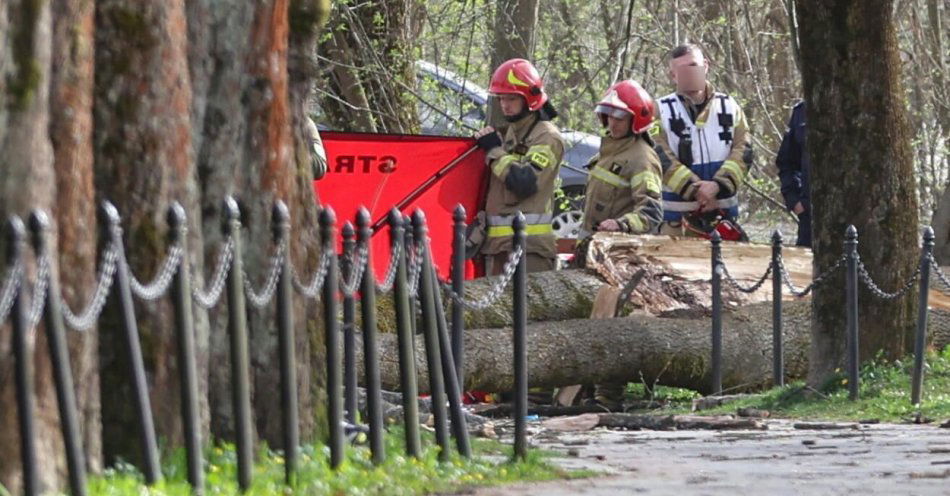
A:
x: 818, y: 281
x: 496, y: 289
x: 162, y: 281
x: 880, y: 293
x: 10, y: 287
x: 357, y: 268
x: 89, y: 315
x: 739, y: 287
x: 261, y: 299
x: 939, y: 274
x: 38, y: 301
x: 208, y: 299
x: 311, y: 290
x: 391, y: 271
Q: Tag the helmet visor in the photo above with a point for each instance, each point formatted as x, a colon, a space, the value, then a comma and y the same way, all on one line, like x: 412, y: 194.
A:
x: 612, y: 111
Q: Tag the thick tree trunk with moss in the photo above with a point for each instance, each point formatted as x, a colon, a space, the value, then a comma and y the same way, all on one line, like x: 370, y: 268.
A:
x: 250, y: 143
x: 144, y: 163
x: 26, y: 182
x: 71, y: 98
x: 860, y: 144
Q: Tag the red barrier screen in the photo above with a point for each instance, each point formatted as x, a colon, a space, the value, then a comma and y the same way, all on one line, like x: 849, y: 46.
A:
x: 380, y: 171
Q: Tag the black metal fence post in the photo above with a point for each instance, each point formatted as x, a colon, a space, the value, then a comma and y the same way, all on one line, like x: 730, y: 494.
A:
x: 59, y: 357
x: 347, y: 268
x: 449, y: 370
x: 374, y: 403
x: 123, y: 293
x: 430, y: 333
x: 922, y: 310
x: 851, y: 287
x: 458, y: 287
x: 22, y: 353
x: 405, y: 336
x: 237, y: 328
x: 716, y: 313
x: 185, y: 337
x: 778, y: 348
x: 334, y: 361
x: 287, y: 345
x: 520, y: 324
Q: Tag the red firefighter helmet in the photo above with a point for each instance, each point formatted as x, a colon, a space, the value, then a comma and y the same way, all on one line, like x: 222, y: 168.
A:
x: 627, y: 98
x: 519, y: 77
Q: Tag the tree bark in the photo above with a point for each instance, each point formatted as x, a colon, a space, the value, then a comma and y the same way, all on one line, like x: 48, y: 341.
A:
x: 26, y: 181
x: 71, y: 97
x: 515, y: 22
x: 859, y: 141
x: 144, y: 162
x: 664, y: 351
x: 251, y: 145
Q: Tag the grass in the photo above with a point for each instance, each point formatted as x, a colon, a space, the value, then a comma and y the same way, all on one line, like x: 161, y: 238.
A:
x: 399, y: 475
x: 884, y: 395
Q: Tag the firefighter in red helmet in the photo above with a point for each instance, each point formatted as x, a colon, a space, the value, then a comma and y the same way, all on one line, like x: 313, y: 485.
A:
x: 524, y: 167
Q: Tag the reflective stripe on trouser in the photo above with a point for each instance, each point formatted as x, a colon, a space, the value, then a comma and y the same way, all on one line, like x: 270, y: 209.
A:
x: 536, y: 224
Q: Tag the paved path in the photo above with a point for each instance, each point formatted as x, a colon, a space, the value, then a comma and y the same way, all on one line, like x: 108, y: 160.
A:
x: 885, y: 459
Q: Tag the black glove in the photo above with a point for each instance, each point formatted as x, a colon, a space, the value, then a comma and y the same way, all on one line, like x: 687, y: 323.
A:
x: 488, y: 141
x: 522, y: 181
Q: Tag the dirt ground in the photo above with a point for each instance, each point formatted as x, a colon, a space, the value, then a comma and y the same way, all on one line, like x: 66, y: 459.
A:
x: 881, y: 459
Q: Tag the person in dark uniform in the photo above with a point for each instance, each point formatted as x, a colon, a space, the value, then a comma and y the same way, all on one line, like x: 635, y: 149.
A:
x: 794, y: 170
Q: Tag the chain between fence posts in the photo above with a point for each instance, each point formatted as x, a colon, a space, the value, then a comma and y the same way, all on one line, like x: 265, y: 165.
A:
x: 347, y: 270
x: 458, y: 288
x: 717, y: 268
x: 185, y: 337
x: 23, y: 373
x: 851, y: 288
x: 404, y: 333
x: 430, y: 333
x: 237, y: 329
x: 519, y: 328
x: 59, y: 357
x: 374, y: 402
x: 778, y: 351
x: 280, y: 222
x: 922, y: 310
x: 332, y: 328
x: 123, y: 292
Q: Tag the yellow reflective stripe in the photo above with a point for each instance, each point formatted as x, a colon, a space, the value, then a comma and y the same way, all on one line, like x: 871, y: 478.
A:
x: 648, y: 178
x: 654, y: 128
x: 501, y: 165
x: 608, y: 177
x: 635, y: 222
x: 679, y: 178
x: 530, y: 230
x: 541, y: 155
x: 733, y: 167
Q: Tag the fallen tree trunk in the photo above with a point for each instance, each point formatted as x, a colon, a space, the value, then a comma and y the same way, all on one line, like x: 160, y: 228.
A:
x: 665, y: 351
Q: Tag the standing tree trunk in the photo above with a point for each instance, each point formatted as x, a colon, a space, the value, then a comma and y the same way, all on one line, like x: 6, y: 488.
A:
x: 515, y: 21
x: 27, y: 182
x: 71, y: 95
x: 859, y: 141
x: 371, y: 67
x: 143, y: 164
x: 247, y: 113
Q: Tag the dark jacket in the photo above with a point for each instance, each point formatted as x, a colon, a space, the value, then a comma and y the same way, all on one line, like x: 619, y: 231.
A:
x: 794, y: 168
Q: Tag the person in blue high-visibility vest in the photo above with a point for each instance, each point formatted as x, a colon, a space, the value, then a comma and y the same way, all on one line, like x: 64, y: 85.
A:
x: 703, y: 141
x: 794, y: 170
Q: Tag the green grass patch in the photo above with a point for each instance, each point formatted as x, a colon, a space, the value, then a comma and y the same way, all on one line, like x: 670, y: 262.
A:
x: 399, y: 475
x: 884, y: 395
